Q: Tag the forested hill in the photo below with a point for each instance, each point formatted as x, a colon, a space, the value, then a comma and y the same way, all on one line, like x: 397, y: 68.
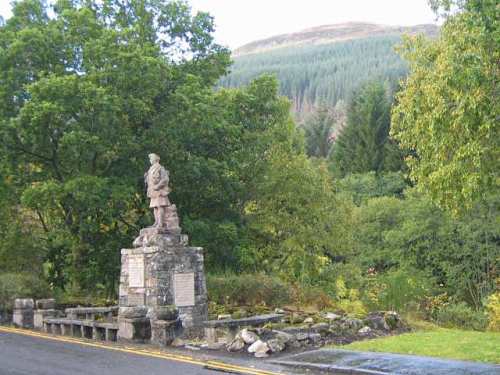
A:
x: 323, y: 65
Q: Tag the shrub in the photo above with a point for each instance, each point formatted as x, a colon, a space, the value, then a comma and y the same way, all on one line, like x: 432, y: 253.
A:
x: 20, y: 285
x: 248, y: 290
x: 460, y: 315
x: 493, y: 309
x: 311, y: 296
x: 348, y: 300
x: 397, y: 290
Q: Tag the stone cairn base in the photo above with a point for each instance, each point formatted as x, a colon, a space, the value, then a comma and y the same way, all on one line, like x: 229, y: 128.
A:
x: 159, y: 276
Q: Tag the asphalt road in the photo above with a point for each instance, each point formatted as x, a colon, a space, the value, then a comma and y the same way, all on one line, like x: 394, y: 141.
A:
x: 26, y: 355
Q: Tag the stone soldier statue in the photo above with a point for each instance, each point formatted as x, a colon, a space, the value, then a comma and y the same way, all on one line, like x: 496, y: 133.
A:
x: 156, y: 179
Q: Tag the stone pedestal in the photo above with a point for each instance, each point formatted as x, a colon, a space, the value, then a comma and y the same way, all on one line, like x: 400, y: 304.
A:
x: 162, y: 270
x: 134, y: 329
x: 23, y: 313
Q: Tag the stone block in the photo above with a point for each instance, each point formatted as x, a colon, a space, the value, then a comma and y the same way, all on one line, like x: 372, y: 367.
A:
x: 23, y: 318
x: 134, y: 329
x: 168, y: 313
x: 45, y: 304
x: 132, y: 312
x: 40, y: 315
x: 163, y: 332
x: 24, y: 303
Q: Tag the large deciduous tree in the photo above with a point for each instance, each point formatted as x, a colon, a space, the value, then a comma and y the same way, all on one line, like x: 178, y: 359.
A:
x: 87, y: 90
x: 447, y: 115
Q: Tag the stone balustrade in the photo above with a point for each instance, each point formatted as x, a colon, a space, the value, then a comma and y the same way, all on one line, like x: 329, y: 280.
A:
x: 92, y: 313
x: 94, y: 330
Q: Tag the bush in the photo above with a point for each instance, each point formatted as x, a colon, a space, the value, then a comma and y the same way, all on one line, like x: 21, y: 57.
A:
x: 248, y: 290
x: 348, y: 300
x: 460, y: 315
x: 399, y: 290
x: 311, y: 296
x: 20, y: 285
x: 493, y: 309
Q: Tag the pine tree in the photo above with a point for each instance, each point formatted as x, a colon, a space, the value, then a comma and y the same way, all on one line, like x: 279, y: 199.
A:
x: 364, y: 144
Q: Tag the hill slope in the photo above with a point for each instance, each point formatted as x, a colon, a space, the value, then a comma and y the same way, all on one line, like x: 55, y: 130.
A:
x: 325, y: 64
x: 328, y: 34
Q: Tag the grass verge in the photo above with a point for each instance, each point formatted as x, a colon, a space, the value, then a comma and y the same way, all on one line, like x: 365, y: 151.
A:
x: 438, y: 342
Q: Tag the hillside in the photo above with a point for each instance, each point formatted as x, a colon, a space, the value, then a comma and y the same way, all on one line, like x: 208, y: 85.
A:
x: 325, y: 64
x: 328, y: 34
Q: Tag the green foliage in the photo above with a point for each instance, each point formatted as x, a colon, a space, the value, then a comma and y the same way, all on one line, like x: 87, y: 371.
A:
x: 348, y: 300
x: 87, y: 93
x: 460, y: 254
x: 493, y: 309
x: 297, y: 223
x: 318, y: 130
x: 364, y: 144
x: 322, y: 75
x: 321, y: 127
x: 446, y: 116
x: 364, y: 186
x: 20, y: 285
x: 398, y: 290
x: 248, y: 290
x: 460, y: 315
x: 86, y: 89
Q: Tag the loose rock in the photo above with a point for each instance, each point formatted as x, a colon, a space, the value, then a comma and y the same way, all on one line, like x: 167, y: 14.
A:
x: 284, y: 337
x: 332, y: 316
x: 308, y: 320
x: 301, y: 336
x: 178, y: 342
x: 276, y: 345
x: 259, y: 348
x: 376, y: 320
x: 223, y: 316
x: 393, y: 320
x: 321, y: 327
x: 314, y: 337
x: 236, y: 345
x: 248, y: 337
x: 365, y: 330
x: 354, y: 323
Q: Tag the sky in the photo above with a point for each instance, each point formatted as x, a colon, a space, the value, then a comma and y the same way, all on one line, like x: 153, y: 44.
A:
x: 242, y: 21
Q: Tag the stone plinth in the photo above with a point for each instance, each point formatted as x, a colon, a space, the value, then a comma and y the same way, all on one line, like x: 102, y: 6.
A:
x: 40, y: 315
x: 23, y: 313
x: 162, y: 270
x: 163, y: 332
x: 134, y: 329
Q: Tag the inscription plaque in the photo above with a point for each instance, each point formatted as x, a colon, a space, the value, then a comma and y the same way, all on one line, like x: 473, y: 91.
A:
x: 136, y: 271
x: 184, y: 289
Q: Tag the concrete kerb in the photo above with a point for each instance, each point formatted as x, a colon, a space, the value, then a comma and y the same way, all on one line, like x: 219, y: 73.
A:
x: 341, y: 361
x: 329, y: 368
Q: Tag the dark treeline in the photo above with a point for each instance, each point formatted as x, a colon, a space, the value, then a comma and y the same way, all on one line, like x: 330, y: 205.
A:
x: 323, y: 74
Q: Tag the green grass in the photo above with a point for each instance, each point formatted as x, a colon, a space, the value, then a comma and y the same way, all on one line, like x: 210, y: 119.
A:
x: 438, y: 342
